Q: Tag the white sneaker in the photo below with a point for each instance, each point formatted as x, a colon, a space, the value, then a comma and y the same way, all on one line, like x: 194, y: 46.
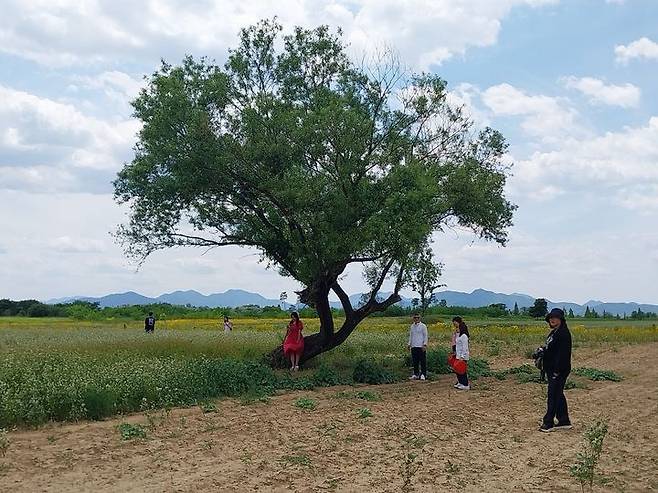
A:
x: 459, y: 386
x: 413, y: 377
x: 422, y: 377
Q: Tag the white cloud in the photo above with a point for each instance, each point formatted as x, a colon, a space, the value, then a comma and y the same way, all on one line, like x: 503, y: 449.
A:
x: 117, y: 85
x: 545, y: 117
x: 641, y: 198
x: 67, y: 244
x: 68, y: 32
x: 641, y: 48
x: 626, y: 95
x: 47, y: 145
x: 562, y: 266
x: 626, y: 160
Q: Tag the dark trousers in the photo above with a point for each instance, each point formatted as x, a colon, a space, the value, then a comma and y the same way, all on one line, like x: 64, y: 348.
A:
x: 463, y: 379
x: 419, y: 357
x: 556, y: 403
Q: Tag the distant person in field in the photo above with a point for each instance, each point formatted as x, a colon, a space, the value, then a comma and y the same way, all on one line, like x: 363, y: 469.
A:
x: 417, y: 344
x: 149, y: 323
x: 293, y: 344
x: 228, y: 325
x: 461, y: 353
x: 557, y: 365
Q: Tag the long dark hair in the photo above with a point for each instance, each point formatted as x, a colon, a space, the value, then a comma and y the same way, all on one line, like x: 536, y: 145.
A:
x: 463, y: 329
x: 295, y: 315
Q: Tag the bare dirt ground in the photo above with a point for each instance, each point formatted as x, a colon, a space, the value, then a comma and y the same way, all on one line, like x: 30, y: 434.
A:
x: 482, y: 440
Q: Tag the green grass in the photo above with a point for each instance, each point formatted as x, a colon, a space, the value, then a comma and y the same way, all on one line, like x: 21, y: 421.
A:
x: 129, y: 431
x: 364, y: 413
x: 306, y: 403
x: 62, y: 370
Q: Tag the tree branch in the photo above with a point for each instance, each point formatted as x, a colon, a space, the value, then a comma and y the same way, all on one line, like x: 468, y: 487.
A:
x: 344, y: 299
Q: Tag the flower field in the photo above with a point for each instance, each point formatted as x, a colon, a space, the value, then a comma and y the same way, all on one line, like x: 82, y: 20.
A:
x: 63, y: 370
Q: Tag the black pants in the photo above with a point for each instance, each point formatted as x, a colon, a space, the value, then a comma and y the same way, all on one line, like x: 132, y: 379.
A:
x: 419, y: 357
x: 556, y: 403
x: 463, y: 379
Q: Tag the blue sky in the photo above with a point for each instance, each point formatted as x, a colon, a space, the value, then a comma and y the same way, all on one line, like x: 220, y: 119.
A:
x: 573, y: 85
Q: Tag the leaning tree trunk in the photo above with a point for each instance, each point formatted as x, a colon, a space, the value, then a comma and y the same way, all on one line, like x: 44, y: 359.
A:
x: 314, y: 345
x: 327, y: 338
x: 324, y: 340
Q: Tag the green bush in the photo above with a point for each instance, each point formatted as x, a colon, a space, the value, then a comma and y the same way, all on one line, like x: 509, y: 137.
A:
x: 326, y: 376
x: 306, y: 403
x: 129, y: 431
x: 369, y: 371
x: 598, y: 375
x: 478, y: 367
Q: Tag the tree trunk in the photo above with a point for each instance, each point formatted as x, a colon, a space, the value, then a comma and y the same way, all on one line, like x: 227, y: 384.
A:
x: 326, y: 339
x: 314, y: 345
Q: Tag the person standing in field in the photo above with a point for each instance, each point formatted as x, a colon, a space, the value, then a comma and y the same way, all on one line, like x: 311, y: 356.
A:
x: 293, y: 344
x: 228, y: 325
x: 461, y: 353
x: 149, y: 323
x: 557, y: 365
x: 418, y: 346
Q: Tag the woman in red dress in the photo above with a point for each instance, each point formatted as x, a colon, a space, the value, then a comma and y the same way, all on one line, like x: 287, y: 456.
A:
x: 293, y: 344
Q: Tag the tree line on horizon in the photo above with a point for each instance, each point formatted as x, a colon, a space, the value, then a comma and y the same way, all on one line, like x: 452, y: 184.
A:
x: 86, y: 310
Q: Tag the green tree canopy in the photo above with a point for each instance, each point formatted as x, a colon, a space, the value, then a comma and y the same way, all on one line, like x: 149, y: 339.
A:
x: 539, y: 308
x: 317, y: 162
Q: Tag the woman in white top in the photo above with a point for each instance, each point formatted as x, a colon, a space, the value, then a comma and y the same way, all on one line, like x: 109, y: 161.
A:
x: 462, y: 353
x: 228, y: 325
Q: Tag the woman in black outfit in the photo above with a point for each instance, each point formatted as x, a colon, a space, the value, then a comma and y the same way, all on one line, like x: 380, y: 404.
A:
x: 557, y: 365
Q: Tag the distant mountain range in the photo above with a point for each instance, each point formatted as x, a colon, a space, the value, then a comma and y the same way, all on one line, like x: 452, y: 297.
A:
x: 238, y: 297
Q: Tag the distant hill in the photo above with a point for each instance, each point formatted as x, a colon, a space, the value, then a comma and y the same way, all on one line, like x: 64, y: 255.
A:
x: 230, y: 298
x: 238, y: 297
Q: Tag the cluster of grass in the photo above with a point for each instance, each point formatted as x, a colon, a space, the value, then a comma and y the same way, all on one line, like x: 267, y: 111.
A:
x: 598, y: 375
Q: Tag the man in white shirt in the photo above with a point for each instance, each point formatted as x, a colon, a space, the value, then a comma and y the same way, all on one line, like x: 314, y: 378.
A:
x: 418, y: 346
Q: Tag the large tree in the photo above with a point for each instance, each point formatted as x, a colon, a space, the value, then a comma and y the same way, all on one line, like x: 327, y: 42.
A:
x: 317, y: 162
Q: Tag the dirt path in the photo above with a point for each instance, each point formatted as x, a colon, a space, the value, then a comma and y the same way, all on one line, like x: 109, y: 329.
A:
x: 483, y: 440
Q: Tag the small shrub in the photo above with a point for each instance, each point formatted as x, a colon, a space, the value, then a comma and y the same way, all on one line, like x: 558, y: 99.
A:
x: 410, y: 466
x: 364, y: 413
x: 417, y: 441
x: 129, y: 431
x: 584, y: 468
x: 326, y: 376
x: 208, y: 407
x: 254, y: 397
x: 597, y: 375
x: 288, y: 382
x: 298, y: 460
x: 371, y: 372
x: 478, y: 367
x: 574, y: 384
x: 306, y: 403
x: 366, y: 395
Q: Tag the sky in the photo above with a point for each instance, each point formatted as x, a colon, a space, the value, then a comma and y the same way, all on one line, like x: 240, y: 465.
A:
x: 573, y: 86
